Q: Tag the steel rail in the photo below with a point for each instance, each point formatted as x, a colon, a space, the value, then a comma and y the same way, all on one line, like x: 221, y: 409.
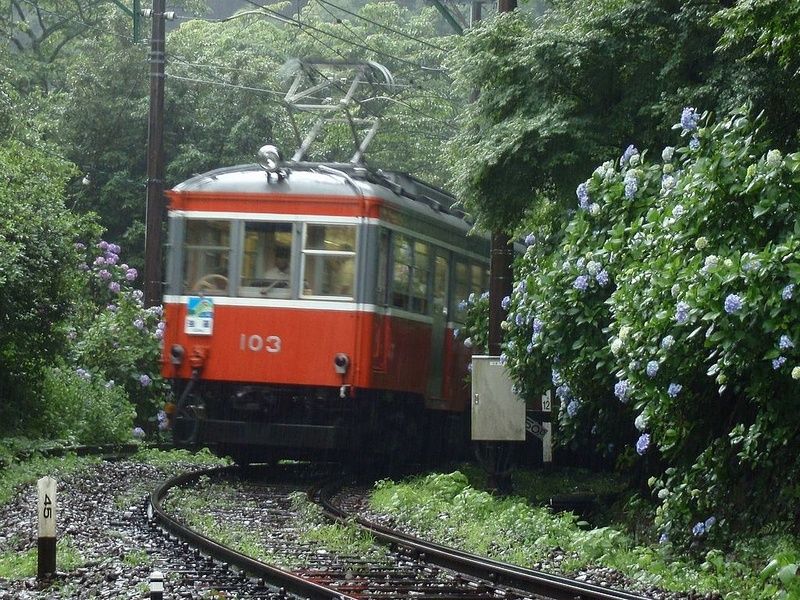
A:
x: 291, y: 583
x: 531, y: 581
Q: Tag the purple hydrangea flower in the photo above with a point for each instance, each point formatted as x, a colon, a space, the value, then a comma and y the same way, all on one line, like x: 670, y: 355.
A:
x: 785, y: 342
x: 138, y: 433
x: 137, y: 294
x: 581, y: 283
x: 674, y: 389
x: 104, y: 275
x: 786, y: 293
x: 112, y: 308
x: 103, y: 245
x: 698, y: 529
x: 163, y: 420
x: 652, y: 368
x: 114, y: 248
x: 505, y: 302
x: 131, y: 274
x: 681, y: 313
x: 114, y: 287
x: 777, y: 363
x: 733, y: 304
x: 144, y: 380
x: 622, y: 389
x: 530, y: 239
x: 626, y: 156
x: 689, y: 119
x: 583, y: 196
x: 642, y: 444
x: 602, y: 278
x: 158, y: 333
x: 138, y: 323
x: 111, y: 259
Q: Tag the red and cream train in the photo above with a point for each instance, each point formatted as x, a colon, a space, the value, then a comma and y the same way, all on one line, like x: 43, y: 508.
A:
x: 310, y: 312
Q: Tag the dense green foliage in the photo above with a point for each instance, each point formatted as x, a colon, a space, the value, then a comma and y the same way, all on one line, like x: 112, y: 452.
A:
x: 559, y: 93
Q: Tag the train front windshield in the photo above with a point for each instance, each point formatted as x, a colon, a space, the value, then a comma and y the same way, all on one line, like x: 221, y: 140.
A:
x: 268, y: 259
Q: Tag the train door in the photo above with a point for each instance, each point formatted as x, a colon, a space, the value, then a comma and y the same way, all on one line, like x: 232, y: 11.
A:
x: 439, y: 277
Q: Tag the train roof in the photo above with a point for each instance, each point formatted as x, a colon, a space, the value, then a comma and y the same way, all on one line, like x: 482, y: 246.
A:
x: 338, y: 179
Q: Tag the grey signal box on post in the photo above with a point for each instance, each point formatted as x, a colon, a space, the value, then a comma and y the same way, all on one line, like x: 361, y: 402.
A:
x: 498, y: 414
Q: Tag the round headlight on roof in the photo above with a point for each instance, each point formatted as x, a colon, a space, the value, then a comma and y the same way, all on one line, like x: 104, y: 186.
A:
x: 269, y: 158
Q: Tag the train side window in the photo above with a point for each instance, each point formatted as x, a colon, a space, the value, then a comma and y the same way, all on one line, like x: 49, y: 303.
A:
x: 329, y: 260
x: 401, y: 278
x: 206, y: 257
x: 267, y: 260
x: 421, y: 272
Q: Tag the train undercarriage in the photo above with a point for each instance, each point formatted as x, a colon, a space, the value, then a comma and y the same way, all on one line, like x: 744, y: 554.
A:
x: 261, y: 423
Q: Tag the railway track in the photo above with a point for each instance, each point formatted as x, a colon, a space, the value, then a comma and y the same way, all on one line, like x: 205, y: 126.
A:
x: 402, y: 567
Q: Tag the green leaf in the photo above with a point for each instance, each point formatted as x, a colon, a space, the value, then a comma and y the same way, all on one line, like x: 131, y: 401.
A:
x: 787, y: 574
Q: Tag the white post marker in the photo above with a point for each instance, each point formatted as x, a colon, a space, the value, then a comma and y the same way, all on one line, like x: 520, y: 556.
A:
x: 156, y: 585
x: 46, y: 487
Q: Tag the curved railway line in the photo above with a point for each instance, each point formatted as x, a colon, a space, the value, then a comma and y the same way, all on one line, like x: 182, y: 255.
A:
x: 408, y: 567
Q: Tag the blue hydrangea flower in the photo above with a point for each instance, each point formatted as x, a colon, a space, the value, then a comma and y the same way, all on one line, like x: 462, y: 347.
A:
x: 138, y: 433
x: 642, y: 444
x: 733, y: 304
x: 563, y: 391
x: 519, y: 319
x: 581, y: 283
x: 652, y: 368
x: 556, y: 378
x: 626, y: 156
x: 698, y: 529
x: 622, y: 389
x: 505, y: 302
x: 667, y: 342
x: 530, y: 239
x: 694, y: 143
x: 83, y: 374
x: 785, y: 342
x: 674, y: 389
x: 631, y: 185
x: 144, y: 380
x: 681, y: 313
x: 572, y: 408
x: 583, y: 196
x: 689, y: 118
x: 463, y: 305
x: 602, y: 278
x: 786, y: 293
x: 664, y: 539
x: 777, y: 363
x: 537, y: 325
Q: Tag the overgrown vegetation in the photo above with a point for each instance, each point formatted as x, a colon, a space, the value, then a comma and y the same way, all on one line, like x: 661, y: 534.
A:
x: 444, y: 507
x: 22, y: 565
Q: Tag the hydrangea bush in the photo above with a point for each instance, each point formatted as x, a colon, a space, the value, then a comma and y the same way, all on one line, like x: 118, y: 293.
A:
x: 117, y: 340
x: 667, y: 320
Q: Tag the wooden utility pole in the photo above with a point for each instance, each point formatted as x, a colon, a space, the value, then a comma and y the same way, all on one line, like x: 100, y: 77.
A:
x: 155, y: 162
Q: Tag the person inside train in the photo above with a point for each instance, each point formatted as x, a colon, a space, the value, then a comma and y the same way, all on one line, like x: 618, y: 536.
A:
x: 277, y: 276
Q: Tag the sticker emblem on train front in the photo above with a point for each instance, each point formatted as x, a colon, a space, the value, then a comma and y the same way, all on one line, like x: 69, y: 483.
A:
x: 199, y: 316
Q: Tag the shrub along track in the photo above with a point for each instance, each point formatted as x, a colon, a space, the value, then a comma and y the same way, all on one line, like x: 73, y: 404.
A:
x: 404, y: 566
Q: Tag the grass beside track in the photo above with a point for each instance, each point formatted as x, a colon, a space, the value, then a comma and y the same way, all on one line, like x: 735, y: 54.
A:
x: 447, y: 509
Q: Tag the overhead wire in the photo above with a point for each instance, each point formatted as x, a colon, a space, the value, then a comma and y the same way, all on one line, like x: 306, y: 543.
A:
x: 303, y: 26
x: 383, y: 26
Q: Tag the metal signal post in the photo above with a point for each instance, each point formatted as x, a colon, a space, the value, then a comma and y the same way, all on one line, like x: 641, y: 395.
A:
x: 155, y: 162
